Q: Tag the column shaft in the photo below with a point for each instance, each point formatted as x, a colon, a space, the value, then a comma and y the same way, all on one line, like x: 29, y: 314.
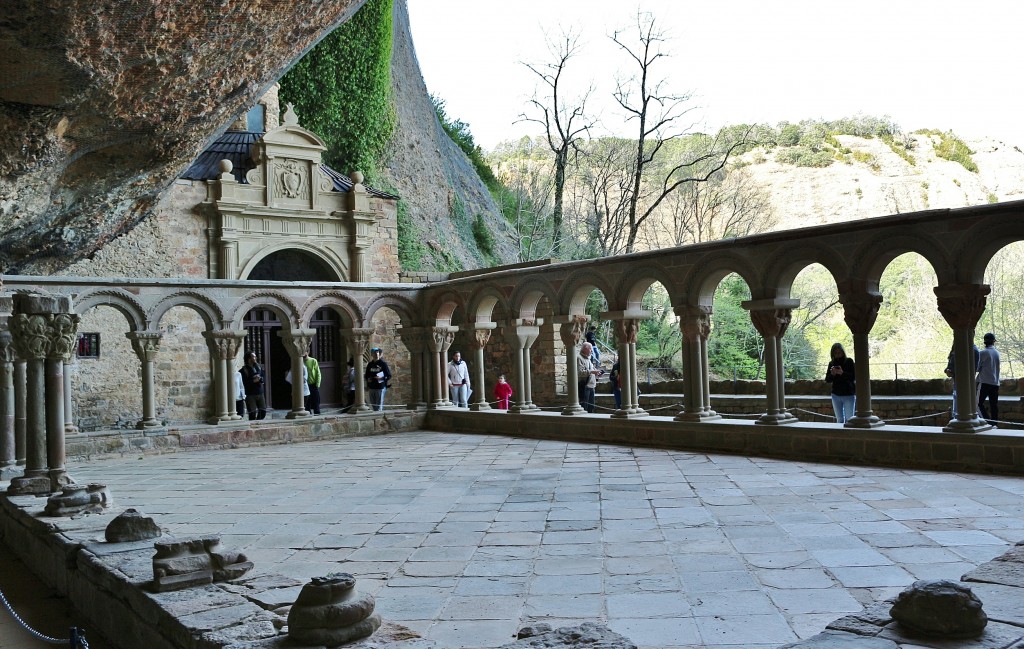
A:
x: 20, y: 411
x: 7, y: 448
x: 69, y: 419
x: 55, y: 457
x: 480, y: 403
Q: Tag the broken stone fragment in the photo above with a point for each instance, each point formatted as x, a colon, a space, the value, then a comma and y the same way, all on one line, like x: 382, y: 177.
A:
x: 194, y: 562
x: 940, y: 607
x: 77, y: 499
x: 329, y: 611
x: 131, y: 525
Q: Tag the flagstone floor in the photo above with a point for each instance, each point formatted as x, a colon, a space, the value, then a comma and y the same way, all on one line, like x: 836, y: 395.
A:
x: 466, y: 538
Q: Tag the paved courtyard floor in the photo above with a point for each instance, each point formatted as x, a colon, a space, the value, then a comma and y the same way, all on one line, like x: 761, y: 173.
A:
x: 466, y: 538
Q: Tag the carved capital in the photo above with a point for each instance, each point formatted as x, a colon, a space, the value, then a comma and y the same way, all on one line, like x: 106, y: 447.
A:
x: 771, y: 323
x: 860, y: 310
x: 145, y: 343
x: 694, y: 322
x: 37, y: 336
x: 359, y: 339
x: 480, y: 338
x: 626, y: 330
x: 7, y: 353
x: 224, y: 345
x: 441, y: 339
x: 962, y: 305
x: 572, y: 331
x: 297, y: 341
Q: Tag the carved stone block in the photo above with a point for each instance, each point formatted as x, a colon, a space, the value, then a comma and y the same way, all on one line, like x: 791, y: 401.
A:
x: 131, y: 525
x: 195, y: 562
x: 77, y: 499
x: 330, y: 612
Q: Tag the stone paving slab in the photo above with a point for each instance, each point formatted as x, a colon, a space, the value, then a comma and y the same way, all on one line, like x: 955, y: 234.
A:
x: 464, y: 538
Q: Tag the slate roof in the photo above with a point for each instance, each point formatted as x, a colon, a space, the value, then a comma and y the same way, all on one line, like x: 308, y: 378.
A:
x: 235, y: 146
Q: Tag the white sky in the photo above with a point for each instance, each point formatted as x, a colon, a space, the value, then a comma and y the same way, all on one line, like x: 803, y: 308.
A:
x: 947, y: 64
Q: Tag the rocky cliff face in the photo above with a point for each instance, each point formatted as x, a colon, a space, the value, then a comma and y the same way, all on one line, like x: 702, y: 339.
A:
x: 104, y: 102
x: 887, y: 184
x: 429, y: 171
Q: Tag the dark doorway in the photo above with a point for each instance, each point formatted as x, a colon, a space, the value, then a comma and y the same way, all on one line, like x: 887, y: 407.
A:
x: 328, y: 349
x: 292, y: 266
x: 262, y: 326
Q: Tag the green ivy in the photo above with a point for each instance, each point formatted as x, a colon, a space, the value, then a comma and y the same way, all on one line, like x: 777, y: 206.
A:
x: 484, y: 238
x: 341, y: 90
x: 459, y: 132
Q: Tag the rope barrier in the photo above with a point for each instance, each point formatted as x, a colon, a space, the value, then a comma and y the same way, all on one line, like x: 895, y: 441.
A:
x: 76, y: 641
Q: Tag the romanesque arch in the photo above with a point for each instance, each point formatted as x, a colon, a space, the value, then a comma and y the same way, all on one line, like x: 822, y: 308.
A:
x: 118, y: 299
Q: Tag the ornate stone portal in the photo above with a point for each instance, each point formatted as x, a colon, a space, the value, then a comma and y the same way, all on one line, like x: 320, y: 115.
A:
x: 289, y: 201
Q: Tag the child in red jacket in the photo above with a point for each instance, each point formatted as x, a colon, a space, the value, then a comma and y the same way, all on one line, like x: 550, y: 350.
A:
x: 502, y: 392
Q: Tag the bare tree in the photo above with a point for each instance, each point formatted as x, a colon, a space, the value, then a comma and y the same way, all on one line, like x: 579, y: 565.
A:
x: 564, y: 121
x: 657, y: 113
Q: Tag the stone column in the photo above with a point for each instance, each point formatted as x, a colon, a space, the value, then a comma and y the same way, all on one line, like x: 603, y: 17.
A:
x: 69, y: 419
x: 7, y: 450
x: 146, y: 345
x: 224, y: 345
x: 771, y: 318
x: 860, y: 310
x: 521, y: 334
x: 64, y: 337
x: 415, y: 340
x: 626, y: 326
x: 439, y: 342
x: 43, y: 330
x: 20, y: 409
x: 296, y: 342
x: 695, y: 325
x: 363, y: 226
x: 571, y: 329
x: 962, y: 305
x: 359, y: 342
x: 481, y: 336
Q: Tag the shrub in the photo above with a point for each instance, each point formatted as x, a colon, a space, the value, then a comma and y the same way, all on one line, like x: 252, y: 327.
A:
x: 802, y: 156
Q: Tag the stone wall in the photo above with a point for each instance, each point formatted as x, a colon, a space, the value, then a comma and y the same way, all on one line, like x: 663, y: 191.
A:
x: 382, y: 256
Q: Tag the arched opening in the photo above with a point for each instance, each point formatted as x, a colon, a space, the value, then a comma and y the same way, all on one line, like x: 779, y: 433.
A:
x: 1004, y: 309
x: 816, y: 324
x: 735, y: 349
x: 659, y: 341
x: 292, y: 265
x: 261, y: 326
x: 328, y: 348
x: 385, y: 323
x: 910, y: 339
x: 106, y: 383
x: 183, y: 378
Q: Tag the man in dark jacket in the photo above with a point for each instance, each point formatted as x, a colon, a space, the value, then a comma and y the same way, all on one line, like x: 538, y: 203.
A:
x: 377, y: 376
x: 254, y: 380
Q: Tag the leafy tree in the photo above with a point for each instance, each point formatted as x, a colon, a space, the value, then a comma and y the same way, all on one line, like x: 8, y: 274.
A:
x: 341, y: 89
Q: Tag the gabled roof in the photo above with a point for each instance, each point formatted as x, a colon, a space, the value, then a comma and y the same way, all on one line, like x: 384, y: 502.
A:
x: 235, y: 146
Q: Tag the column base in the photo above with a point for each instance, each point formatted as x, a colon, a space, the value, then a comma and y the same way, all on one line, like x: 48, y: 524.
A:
x: 868, y: 421
x: 632, y: 413
x: 59, y: 479
x: 29, y: 486
x: 70, y: 428
x: 776, y: 419
x: 702, y: 416
x: 145, y: 424
x: 967, y: 426
x: 235, y: 417
x: 574, y: 410
x: 297, y: 414
x: 526, y: 407
x: 217, y: 419
x: 478, y: 407
x: 363, y: 408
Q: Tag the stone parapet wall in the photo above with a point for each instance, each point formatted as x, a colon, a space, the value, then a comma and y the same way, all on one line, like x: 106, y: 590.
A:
x: 924, y: 447
x: 879, y: 387
x: 83, y: 447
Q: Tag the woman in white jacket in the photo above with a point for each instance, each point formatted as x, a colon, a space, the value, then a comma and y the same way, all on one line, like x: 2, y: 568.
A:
x: 458, y: 381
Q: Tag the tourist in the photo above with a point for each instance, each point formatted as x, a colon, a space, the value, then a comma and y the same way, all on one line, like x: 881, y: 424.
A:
x: 254, y: 381
x: 377, y: 376
x: 239, y: 394
x: 313, y: 381
x: 502, y: 392
x: 587, y: 373
x: 305, y: 382
x: 458, y: 380
x: 348, y: 384
x: 841, y: 375
x: 613, y: 378
x: 591, y: 337
x: 988, y: 380
x: 951, y: 369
